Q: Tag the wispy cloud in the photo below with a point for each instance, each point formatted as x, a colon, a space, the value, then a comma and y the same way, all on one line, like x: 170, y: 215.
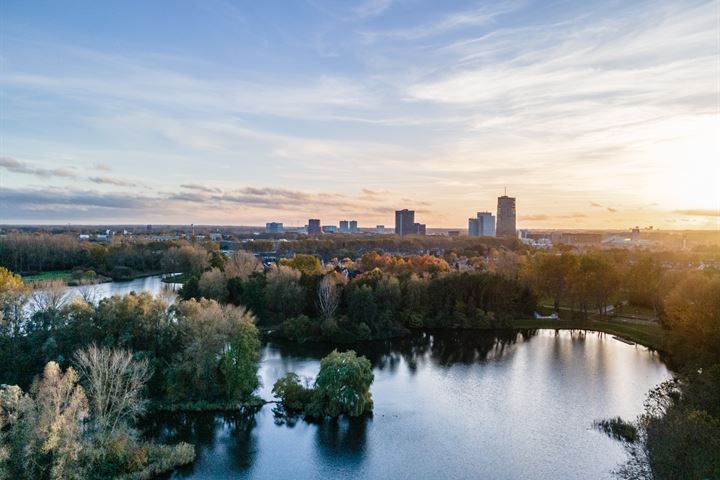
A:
x: 533, y: 217
x: 437, y: 103
x: 112, y: 181
x: 371, y: 8
x: 698, y: 212
x: 16, y: 166
x: 482, y: 15
x: 201, y: 188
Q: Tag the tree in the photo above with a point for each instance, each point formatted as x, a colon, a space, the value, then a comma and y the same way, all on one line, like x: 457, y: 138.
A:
x: 550, y: 275
x: 46, y: 427
x: 114, y: 384
x: 13, y: 297
x: 242, y: 264
x: 50, y: 296
x: 307, y: 264
x: 193, y: 259
x: 642, y: 283
x: 293, y: 395
x: 240, y: 361
x: 328, y: 297
x: 593, y: 282
x: 343, y: 385
x: 362, y: 307
x: 213, y: 338
x: 213, y: 284
x: 284, y: 296
x: 692, y: 311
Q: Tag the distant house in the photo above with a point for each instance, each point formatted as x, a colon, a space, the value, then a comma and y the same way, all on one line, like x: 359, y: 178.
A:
x: 83, y: 236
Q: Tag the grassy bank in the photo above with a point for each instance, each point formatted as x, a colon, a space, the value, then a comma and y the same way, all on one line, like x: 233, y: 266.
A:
x: 61, y: 275
x: 652, y: 336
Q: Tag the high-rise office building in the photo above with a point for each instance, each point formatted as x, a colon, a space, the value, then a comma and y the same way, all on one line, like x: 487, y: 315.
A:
x: 482, y: 226
x: 353, y: 226
x: 405, y: 222
x: 273, y: 227
x: 344, y: 226
x: 314, y: 227
x: 506, y: 217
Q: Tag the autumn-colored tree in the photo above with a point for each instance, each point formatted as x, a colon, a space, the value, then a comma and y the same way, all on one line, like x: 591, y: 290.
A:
x: 307, y: 264
x: 242, y: 264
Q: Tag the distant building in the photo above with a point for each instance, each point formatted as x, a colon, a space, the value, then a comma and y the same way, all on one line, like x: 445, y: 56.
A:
x: 419, y: 228
x: 148, y: 229
x: 215, y: 236
x: 353, y: 226
x: 482, y: 226
x: 380, y: 229
x: 453, y: 233
x: 506, y: 217
x: 274, y: 227
x: 314, y: 227
x: 344, y: 226
x: 405, y: 222
x: 635, y: 234
x: 581, y: 238
x: 329, y: 229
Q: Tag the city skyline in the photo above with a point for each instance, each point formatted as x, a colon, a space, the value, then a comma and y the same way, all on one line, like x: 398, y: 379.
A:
x: 594, y: 116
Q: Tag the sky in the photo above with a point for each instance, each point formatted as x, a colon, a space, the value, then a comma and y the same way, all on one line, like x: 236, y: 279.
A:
x: 592, y: 114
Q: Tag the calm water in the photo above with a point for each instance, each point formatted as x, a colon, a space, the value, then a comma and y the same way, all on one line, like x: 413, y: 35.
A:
x: 459, y: 405
x: 152, y: 285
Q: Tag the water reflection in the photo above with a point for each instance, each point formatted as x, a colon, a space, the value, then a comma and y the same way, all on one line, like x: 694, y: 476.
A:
x: 447, y: 405
x: 441, y: 348
x: 342, y: 440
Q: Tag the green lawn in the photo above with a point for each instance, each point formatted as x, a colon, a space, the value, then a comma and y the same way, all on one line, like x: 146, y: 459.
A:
x: 64, y: 275
x: 633, y: 311
x: 652, y: 336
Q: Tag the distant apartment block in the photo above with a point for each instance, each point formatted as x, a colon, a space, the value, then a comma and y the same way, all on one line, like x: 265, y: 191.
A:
x: 380, y: 229
x: 329, y: 229
x: 313, y: 227
x: 506, y: 217
x: 344, y: 226
x: 353, y: 226
x: 274, y: 227
x: 404, y: 222
x: 482, y: 226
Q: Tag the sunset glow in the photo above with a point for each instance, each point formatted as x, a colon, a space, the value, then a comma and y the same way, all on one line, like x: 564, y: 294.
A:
x: 592, y: 114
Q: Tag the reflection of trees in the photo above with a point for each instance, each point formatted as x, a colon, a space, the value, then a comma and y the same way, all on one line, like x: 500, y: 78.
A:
x: 342, y: 440
x: 203, y: 429
x: 444, y: 348
x: 241, y: 446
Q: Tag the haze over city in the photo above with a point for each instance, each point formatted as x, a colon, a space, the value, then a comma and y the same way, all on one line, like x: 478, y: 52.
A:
x: 592, y: 114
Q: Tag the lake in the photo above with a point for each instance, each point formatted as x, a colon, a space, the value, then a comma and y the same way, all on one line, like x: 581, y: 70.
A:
x: 499, y: 405
x: 151, y: 284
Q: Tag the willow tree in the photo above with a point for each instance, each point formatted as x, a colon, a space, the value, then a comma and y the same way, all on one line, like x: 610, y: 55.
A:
x: 343, y: 385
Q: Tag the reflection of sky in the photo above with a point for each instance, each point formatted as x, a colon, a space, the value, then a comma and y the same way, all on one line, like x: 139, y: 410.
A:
x: 524, y: 414
x: 591, y: 113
